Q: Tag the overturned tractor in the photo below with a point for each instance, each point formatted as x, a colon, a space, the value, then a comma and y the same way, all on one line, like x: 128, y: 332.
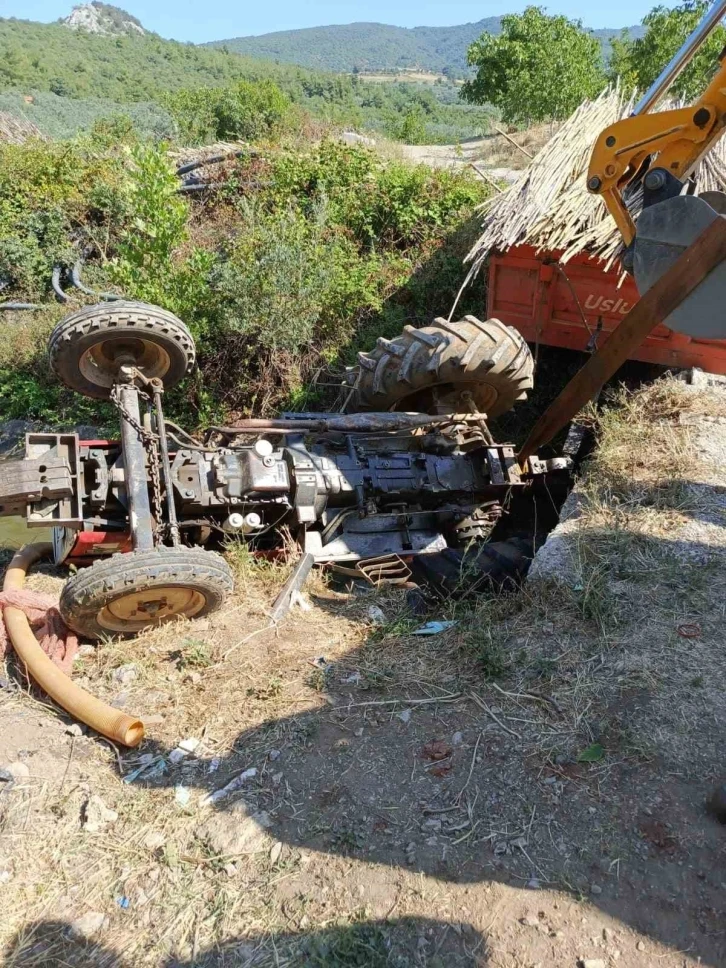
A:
x: 411, y: 469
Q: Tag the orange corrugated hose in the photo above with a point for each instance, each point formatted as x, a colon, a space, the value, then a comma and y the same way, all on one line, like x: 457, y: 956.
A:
x: 110, y: 722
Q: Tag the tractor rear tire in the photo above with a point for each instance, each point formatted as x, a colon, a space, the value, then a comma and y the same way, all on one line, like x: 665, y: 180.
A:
x: 87, y: 347
x: 488, y: 566
x: 129, y: 593
x: 444, y: 368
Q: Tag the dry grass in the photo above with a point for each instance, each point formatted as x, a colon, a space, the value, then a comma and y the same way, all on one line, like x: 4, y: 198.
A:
x: 495, y: 151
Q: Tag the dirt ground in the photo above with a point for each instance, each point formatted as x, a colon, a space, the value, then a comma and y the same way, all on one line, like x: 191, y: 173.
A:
x: 525, y: 789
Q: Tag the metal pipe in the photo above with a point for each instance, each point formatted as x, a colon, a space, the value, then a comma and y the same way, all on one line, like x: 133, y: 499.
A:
x: 682, y: 58
x: 55, y: 282
x: 298, y: 577
x: 137, y: 485
x: 166, y: 470
x: 357, y: 423
x: 77, y: 282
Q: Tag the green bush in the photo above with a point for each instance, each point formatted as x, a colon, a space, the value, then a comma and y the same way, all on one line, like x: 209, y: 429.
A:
x: 383, y: 204
x: 291, y: 282
x: 246, y: 111
x: 46, y: 192
x: 157, y: 227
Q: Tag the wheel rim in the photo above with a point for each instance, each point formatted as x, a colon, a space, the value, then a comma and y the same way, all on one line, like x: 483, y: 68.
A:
x: 443, y: 398
x: 100, y: 364
x: 136, y: 610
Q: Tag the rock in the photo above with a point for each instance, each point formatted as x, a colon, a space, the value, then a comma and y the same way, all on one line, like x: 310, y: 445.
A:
x: 533, y: 884
x: 275, y: 852
x: 188, y: 745
x: 238, y: 830
x: 87, y: 926
x: 18, y: 771
x: 125, y: 674
x: 410, y: 853
x: 75, y: 730
x: 353, y: 138
x: 375, y: 615
x: 595, y: 889
x: 96, y: 816
x: 592, y: 963
x: 274, y: 755
x: 640, y: 946
x: 154, y: 840
x: 405, y: 715
x: 530, y: 922
x: 177, y: 755
x: 607, y: 934
x: 457, y: 739
x: 182, y: 795
x: 153, y: 719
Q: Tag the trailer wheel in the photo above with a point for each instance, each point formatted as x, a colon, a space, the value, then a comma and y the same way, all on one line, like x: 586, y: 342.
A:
x: 128, y: 593
x: 453, y: 573
x: 444, y: 367
x: 88, y: 347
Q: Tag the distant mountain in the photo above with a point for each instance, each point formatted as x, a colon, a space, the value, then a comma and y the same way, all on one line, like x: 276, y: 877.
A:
x: 102, y: 18
x: 378, y: 47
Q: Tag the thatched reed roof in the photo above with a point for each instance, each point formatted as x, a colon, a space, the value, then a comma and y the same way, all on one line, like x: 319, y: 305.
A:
x: 16, y: 131
x: 549, y: 207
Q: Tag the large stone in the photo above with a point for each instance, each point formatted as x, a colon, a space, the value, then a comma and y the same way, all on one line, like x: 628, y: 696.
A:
x: 97, y: 816
x: 87, y: 926
x: 237, y: 830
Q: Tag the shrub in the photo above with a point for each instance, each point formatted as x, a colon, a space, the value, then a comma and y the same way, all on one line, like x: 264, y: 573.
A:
x: 247, y: 111
x: 158, y: 227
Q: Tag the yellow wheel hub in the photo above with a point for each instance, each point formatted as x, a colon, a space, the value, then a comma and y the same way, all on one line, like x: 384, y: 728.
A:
x: 137, y: 610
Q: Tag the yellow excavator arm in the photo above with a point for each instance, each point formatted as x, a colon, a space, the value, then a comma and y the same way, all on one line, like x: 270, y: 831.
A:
x: 674, y: 141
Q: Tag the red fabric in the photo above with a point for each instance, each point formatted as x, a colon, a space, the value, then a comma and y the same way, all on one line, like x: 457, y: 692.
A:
x: 56, y: 639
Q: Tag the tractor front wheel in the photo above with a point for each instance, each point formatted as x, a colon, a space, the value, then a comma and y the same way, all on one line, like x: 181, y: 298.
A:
x: 129, y: 593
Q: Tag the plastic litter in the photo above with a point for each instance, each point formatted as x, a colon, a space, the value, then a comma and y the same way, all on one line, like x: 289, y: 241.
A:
x: 150, y: 770
x: 434, y: 628
x: 231, y: 787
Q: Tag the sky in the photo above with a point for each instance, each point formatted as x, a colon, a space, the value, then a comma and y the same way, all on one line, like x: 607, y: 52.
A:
x: 190, y: 20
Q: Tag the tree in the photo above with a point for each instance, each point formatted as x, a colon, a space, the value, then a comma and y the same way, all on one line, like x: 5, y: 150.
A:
x: 539, y: 68
x: 637, y: 63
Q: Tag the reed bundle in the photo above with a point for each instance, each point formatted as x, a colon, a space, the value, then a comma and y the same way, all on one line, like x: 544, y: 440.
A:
x: 549, y: 207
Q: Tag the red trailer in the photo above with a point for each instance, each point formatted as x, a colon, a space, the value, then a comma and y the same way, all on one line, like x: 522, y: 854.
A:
x: 571, y: 305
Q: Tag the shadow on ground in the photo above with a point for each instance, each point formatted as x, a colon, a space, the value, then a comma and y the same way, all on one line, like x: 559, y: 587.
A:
x: 480, y: 785
x: 408, y: 941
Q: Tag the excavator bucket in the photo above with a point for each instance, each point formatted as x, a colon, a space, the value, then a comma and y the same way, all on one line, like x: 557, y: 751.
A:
x: 663, y: 233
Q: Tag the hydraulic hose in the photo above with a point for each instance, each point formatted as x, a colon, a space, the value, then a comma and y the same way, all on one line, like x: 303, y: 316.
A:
x: 110, y: 722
